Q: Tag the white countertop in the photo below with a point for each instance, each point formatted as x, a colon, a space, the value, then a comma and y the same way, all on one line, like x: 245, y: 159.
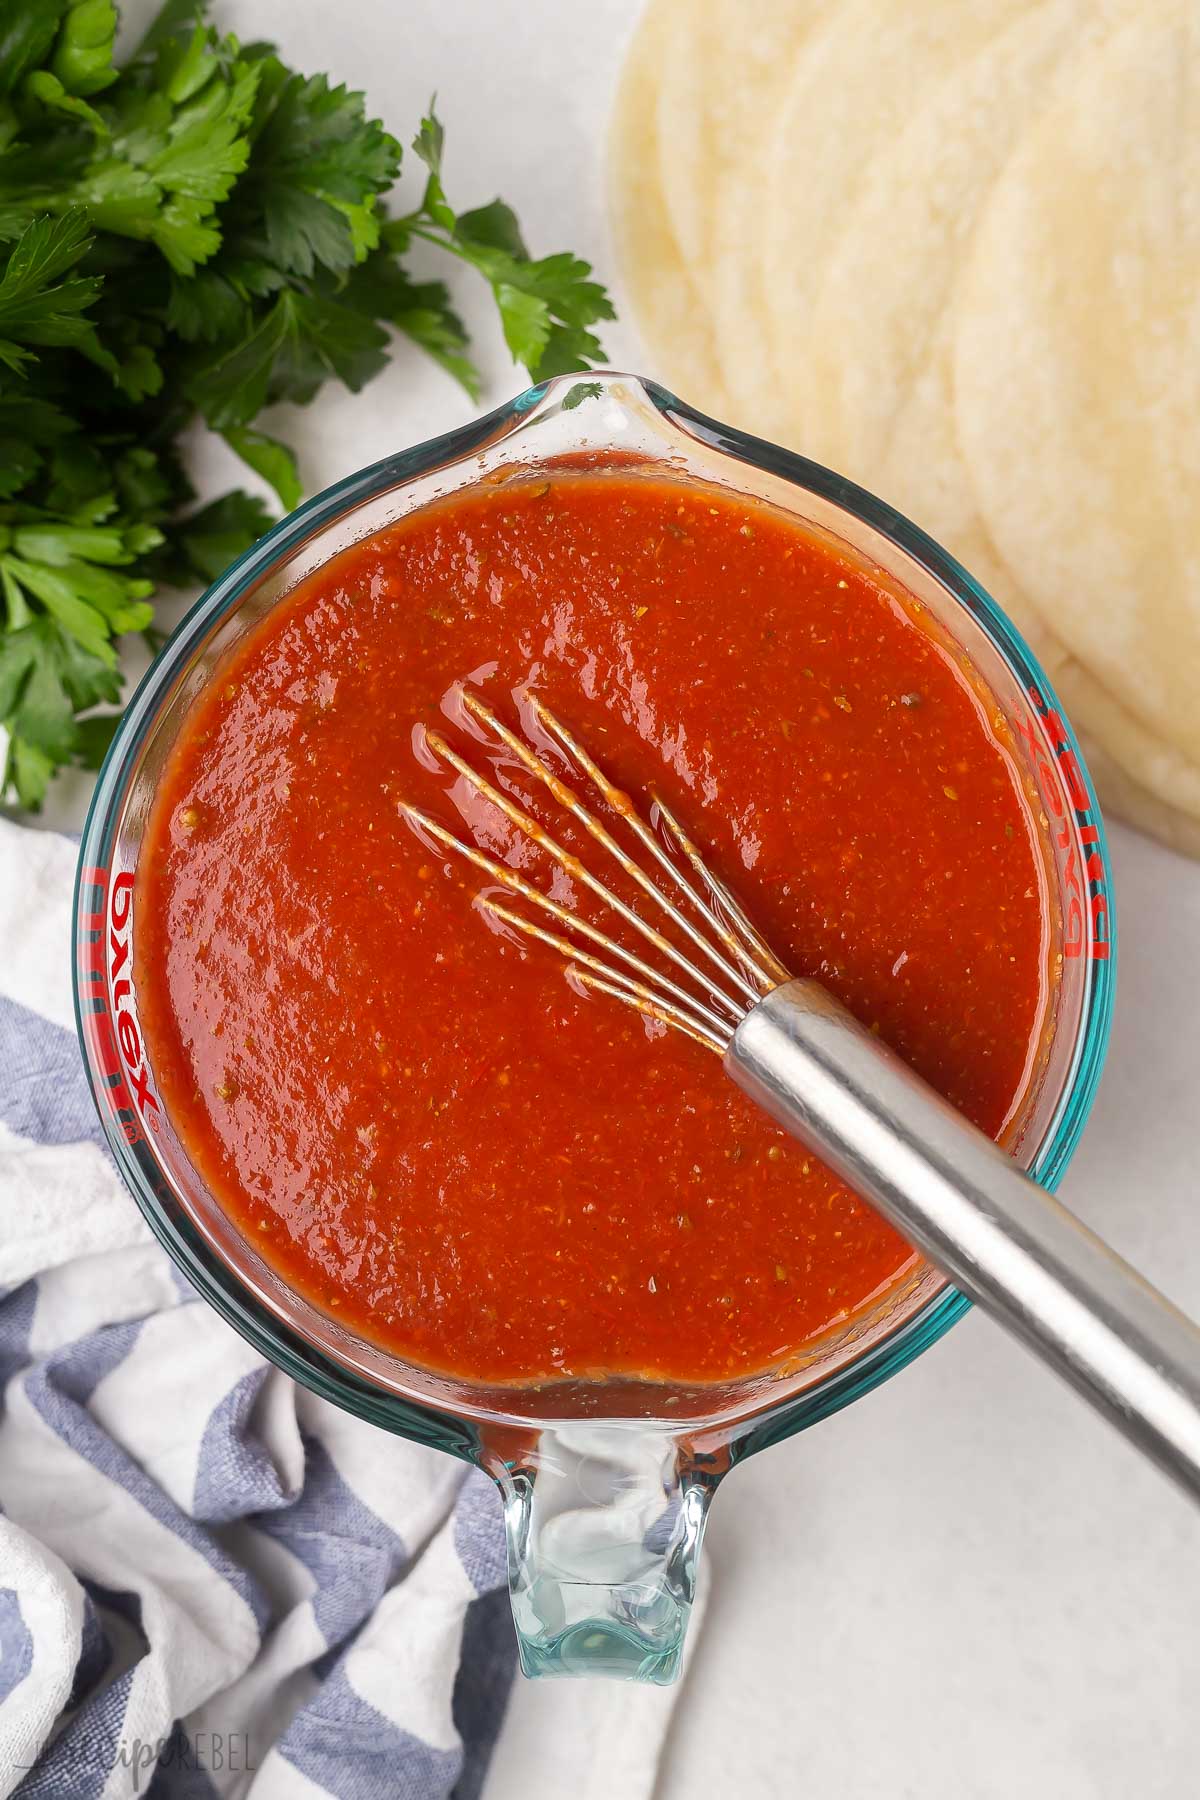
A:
x: 964, y: 1587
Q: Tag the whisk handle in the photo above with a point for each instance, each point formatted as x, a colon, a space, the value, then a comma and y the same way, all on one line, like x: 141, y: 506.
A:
x: 1002, y: 1239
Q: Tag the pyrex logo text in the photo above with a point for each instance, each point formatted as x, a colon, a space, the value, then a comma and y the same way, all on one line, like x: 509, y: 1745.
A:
x: 121, y: 986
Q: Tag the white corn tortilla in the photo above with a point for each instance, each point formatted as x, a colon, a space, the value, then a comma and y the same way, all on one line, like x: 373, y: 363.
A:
x: 672, y: 311
x: 1077, y: 392
x: 725, y: 74
x: 879, y: 349
x: 896, y: 235
x: 872, y: 64
x: 701, y: 78
x: 880, y: 344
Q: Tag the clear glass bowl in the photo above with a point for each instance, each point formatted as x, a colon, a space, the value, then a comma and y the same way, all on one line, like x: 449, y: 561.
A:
x: 605, y: 1485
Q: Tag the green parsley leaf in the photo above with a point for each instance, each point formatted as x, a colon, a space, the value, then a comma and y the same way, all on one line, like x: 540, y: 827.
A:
x: 302, y: 341
x: 27, y: 32
x: 46, y: 679
x: 583, y: 390
x: 82, y: 58
x: 61, y: 600
x: 208, y: 541
x: 46, y: 676
x: 29, y: 426
x: 493, y: 227
x: 36, y: 305
x: 19, y: 463
x: 49, y: 90
x: 422, y: 310
x: 172, y: 17
x: 318, y: 163
x: 206, y: 308
x: 428, y: 145
x: 18, y: 654
x: 27, y: 771
x: 93, y: 736
x: 270, y: 459
x: 149, y: 484
x: 546, y: 305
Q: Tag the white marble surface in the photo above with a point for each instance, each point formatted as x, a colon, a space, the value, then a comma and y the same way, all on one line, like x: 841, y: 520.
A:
x: 965, y: 1587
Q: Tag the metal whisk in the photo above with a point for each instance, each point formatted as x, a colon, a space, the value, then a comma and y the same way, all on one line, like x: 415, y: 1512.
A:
x: 701, y: 968
x: 730, y: 969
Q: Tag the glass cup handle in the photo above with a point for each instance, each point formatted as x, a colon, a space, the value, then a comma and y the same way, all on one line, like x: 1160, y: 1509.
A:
x: 604, y: 1527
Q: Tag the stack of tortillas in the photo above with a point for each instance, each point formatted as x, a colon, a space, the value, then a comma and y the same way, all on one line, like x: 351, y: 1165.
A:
x: 951, y: 248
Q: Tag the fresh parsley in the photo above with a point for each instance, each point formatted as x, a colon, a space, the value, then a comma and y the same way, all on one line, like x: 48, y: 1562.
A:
x: 198, y: 232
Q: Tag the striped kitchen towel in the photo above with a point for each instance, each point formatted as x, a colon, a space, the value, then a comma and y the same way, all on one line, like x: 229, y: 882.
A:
x: 211, y: 1582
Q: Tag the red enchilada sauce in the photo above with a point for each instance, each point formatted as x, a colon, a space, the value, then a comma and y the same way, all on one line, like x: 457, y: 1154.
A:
x: 423, y: 1126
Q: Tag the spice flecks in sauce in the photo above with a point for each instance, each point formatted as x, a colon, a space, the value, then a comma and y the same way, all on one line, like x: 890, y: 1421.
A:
x: 423, y: 1126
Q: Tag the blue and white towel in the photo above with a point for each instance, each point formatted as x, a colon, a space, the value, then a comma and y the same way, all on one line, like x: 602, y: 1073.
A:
x: 213, y: 1583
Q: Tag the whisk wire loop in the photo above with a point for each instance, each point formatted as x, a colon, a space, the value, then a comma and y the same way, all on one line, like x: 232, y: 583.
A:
x: 623, y: 806
x: 738, y: 967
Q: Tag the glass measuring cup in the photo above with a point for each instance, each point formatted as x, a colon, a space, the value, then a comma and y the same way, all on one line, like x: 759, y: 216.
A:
x: 606, y: 1485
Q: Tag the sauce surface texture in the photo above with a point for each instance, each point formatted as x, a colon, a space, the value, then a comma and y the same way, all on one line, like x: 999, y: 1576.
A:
x: 421, y: 1124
